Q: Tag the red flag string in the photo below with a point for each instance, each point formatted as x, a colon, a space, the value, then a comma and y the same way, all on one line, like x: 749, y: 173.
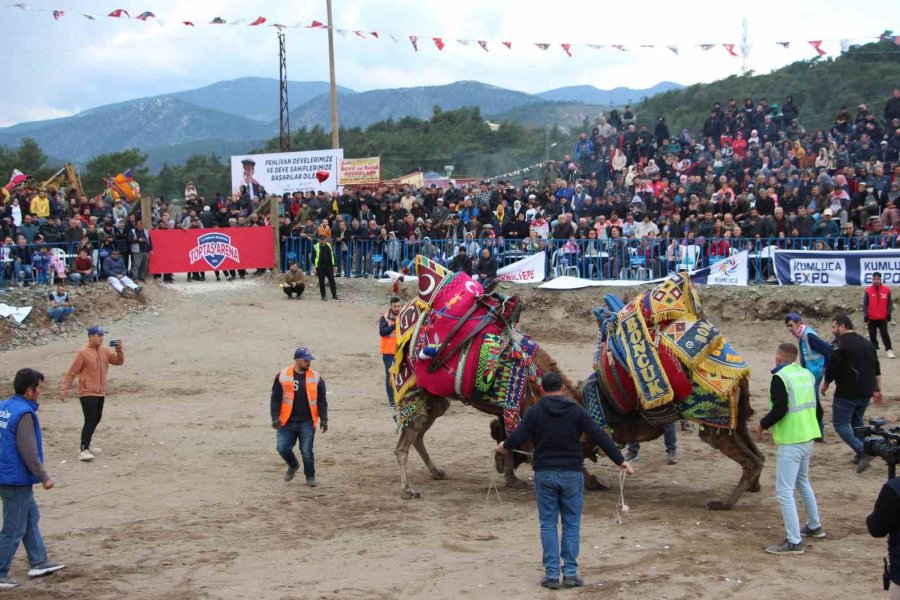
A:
x: 817, y: 44
x: 483, y: 45
x: 567, y: 49
x: 118, y: 13
x: 439, y: 43
x: 258, y: 21
x: 507, y: 44
x: 730, y: 48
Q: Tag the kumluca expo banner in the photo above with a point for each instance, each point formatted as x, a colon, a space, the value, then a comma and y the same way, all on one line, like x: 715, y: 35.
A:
x: 836, y: 268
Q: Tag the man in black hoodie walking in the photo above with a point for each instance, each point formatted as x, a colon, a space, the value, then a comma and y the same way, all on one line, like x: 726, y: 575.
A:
x: 554, y: 425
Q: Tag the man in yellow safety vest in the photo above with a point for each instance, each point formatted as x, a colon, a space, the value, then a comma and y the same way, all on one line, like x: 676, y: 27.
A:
x: 387, y: 329
x: 792, y: 419
x: 298, y: 405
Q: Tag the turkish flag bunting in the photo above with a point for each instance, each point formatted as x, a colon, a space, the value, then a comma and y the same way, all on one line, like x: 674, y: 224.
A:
x: 567, y: 48
x: 258, y: 21
x: 507, y: 44
x: 57, y: 14
x: 439, y: 43
x: 730, y: 48
x: 118, y: 13
x: 315, y: 25
x: 415, y: 42
x: 359, y: 34
x: 374, y: 34
x: 483, y: 45
x: 817, y: 44
x: 188, y: 23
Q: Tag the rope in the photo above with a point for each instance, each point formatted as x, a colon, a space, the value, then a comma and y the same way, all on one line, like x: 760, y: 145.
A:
x: 492, y: 470
x: 621, y: 503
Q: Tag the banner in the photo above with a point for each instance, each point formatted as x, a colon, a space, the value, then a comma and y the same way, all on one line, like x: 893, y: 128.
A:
x: 290, y: 172
x: 193, y: 250
x: 527, y: 270
x: 358, y: 171
x: 730, y: 271
x: 836, y: 268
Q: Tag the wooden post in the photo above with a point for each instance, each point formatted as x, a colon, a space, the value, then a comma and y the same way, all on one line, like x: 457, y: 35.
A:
x: 276, y: 226
x: 147, y: 212
x: 335, y: 129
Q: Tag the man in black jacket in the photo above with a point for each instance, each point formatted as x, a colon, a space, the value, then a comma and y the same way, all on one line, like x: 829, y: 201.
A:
x: 462, y: 262
x: 853, y: 366
x: 554, y: 425
x: 885, y: 521
x: 486, y: 270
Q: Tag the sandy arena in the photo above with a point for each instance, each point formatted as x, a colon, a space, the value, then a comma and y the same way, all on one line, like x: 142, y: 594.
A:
x: 187, y: 500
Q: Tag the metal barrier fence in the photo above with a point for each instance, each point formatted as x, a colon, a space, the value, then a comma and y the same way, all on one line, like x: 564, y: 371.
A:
x: 597, y: 259
x: 42, y: 266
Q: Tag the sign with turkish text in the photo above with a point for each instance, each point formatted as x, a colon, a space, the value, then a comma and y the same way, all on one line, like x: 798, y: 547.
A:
x: 527, y: 270
x: 315, y: 170
x: 194, y: 250
x: 836, y: 268
x: 360, y: 171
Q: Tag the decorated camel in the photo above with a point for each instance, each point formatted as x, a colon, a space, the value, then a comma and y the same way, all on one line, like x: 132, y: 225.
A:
x: 657, y: 360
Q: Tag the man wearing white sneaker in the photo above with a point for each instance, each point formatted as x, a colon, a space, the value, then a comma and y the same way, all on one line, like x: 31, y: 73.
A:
x: 21, y: 468
x: 91, y: 365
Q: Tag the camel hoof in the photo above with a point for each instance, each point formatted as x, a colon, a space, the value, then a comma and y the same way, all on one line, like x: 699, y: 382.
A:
x: 438, y: 474
x: 718, y: 505
x: 517, y: 484
x: 754, y: 487
x: 410, y: 494
x: 592, y: 484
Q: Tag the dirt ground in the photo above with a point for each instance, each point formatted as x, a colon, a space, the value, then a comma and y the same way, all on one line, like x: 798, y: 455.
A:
x: 187, y: 500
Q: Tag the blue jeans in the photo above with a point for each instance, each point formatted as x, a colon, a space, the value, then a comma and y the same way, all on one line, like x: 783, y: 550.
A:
x: 388, y: 361
x: 847, y: 413
x: 285, y: 438
x: 60, y: 313
x: 20, y: 524
x: 792, y: 471
x: 559, y: 495
x: 19, y: 269
x: 668, y: 438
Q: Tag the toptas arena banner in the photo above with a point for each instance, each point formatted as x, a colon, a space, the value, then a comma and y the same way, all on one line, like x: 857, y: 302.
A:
x: 195, y: 250
x: 849, y: 267
x: 312, y: 171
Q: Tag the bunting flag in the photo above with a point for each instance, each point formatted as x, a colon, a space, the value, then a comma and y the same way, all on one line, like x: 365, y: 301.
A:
x: 118, y: 13
x: 217, y: 21
x: 57, y: 14
x: 567, y: 49
x: 21, y: 5
x: 674, y: 49
x: 597, y: 46
x: 316, y: 25
x: 706, y: 47
x: 145, y: 15
x: 619, y: 47
x: 278, y: 26
x: 507, y: 44
x: 342, y: 32
x: 817, y: 45
x: 359, y: 33
x: 394, y: 38
x: 374, y: 34
x: 258, y: 21
x: 463, y: 42
x: 784, y: 45
x: 483, y: 45
x: 439, y: 43
x: 415, y: 42
x: 88, y: 17
x: 845, y: 45
x: 543, y: 46
x: 730, y: 48
x: 188, y: 23
x: 647, y: 46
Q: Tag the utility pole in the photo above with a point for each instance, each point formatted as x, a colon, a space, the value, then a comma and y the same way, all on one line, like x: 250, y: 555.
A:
x: 335, y: 132
x: 285, y: 120
x: 745, y: 48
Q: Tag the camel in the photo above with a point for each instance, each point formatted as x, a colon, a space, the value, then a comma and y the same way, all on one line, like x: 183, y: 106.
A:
x: 634, y: 425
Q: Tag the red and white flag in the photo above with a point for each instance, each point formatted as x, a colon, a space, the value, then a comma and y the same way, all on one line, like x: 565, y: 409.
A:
x: 258, y: 21
x: 730, y: 48
x: 188, y: 23
x: 315, y: 25
x: 118, y: 13
x: 58, y: 14
x: 374, y: 34
x: 817, y: 45
x: 439, y: 43
x: 507, y: 44
x: 567, y: 48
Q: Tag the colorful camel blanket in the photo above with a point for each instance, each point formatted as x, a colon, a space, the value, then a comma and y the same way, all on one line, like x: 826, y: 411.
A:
x: 455, y: 341
x: 658, y: 349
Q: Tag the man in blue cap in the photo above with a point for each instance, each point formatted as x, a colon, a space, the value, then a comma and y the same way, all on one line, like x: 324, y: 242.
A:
x: 298, y: 405
x: 814, y: 353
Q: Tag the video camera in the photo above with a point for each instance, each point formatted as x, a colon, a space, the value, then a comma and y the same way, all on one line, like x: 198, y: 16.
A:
x: 881, y: 442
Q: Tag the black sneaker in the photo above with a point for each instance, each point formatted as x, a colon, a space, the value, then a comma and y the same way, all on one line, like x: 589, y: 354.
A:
x: 786, y: 547
x: 44, y: 568
x: 550, y: 584
x: 571, y: 581
x: 864, y: 462
x: 291, y: 471
x: 311, y: 482
x: 818, y: 532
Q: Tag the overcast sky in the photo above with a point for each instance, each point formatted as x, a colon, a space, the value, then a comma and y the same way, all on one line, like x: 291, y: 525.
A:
x: 58, y: 68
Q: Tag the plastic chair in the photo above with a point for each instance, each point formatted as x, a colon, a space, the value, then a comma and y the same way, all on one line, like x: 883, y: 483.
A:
x: 562, y: 267
x: 689, y: 258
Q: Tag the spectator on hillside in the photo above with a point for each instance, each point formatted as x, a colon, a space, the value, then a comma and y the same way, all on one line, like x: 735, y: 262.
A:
x: 116, y: 275
x: 83, y: 268
x: 486, y: 269
x: 60, y: 305
x: 462, y: 262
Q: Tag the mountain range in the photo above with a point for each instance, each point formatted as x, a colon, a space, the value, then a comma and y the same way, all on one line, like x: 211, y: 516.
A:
x: 240, y: 115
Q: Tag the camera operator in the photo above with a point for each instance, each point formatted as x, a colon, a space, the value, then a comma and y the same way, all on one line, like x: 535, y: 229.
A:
x: 885, y: 521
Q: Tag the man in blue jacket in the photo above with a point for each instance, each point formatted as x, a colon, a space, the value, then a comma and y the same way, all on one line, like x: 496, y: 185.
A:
x: 814, y: 353
x: 21, y: 467
x: 554, y: 425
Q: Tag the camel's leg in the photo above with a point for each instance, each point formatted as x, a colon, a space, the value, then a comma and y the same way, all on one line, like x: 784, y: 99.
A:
x: 509, y: 472
x: 591, y: 483
x: 407, y: 437
x: 419, y: 445
x: 732, y: 445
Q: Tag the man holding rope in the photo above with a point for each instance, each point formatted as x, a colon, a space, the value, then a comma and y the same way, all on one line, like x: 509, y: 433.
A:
x: 555, y: 425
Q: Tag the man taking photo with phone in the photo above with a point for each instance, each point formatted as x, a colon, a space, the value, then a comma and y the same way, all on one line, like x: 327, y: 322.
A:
x: 90, y: 366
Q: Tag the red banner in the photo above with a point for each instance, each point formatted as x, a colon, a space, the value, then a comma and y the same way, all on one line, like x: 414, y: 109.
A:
x: 193, y: 250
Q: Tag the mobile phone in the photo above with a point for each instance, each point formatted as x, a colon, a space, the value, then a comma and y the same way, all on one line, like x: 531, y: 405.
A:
x: 113, y: 343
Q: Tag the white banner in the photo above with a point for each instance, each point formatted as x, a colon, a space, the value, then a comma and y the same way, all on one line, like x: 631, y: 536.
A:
x: 286, y: 172
x: 527, y: 270
x: 730, y: 271
x: 567, y: 282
